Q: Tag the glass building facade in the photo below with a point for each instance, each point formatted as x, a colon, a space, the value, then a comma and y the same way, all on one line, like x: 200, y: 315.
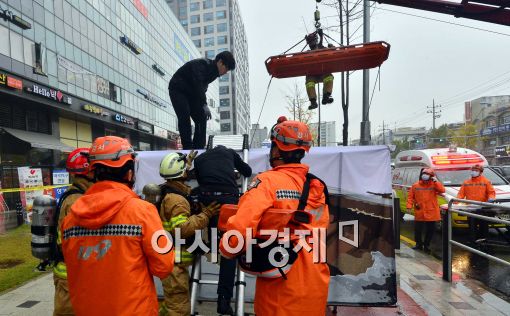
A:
x: 216, y: 26
x: 74, y: 70
x: 95, y: 67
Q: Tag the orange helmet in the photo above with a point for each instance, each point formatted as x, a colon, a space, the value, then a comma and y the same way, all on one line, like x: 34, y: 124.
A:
x: 77, y: 161
x: 111, y: 151
x: 292, y: 135
x: 477, y: 167
x: 428, y: 171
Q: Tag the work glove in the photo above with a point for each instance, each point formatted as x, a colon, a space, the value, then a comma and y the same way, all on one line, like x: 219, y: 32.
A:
x: 207, y: 112
x: 490, y: 200
x: 211, y: 210
x: 189, y: 159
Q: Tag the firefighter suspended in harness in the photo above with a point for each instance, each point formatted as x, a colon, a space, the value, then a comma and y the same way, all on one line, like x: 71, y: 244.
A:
x: 315, y: 41
x: 176, y: 213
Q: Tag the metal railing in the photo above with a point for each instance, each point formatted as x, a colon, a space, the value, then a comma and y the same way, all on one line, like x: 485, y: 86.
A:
x: 447, y: 233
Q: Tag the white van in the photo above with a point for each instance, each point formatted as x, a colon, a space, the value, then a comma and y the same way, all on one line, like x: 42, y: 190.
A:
x: 451, y: 165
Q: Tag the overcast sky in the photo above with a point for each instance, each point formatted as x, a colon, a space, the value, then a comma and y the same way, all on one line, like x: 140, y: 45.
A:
x: 428, y: 60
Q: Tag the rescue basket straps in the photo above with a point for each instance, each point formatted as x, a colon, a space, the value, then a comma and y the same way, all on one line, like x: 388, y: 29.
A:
x: 261, y: 109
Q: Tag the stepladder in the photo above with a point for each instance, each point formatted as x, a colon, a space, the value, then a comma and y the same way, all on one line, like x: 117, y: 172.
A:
x: 203, y: 272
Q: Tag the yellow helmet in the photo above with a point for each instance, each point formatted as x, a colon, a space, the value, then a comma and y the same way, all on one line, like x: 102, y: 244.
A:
x: 173, y: 166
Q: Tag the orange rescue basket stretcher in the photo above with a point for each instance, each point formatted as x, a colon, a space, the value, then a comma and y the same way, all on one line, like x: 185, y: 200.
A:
x: 328, y: 60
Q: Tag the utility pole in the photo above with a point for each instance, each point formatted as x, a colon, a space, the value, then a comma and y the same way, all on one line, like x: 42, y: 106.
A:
x: 384, y: 129
x: 435, y: 113
x: 365, y: 123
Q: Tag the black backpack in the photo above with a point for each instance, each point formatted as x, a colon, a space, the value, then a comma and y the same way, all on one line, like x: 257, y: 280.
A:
x: 56, y: 254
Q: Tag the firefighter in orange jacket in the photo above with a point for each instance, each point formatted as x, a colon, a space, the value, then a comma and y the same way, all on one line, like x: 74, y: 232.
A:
x: 111, y: 239
x: 175, y: 212
x: 423, y: 197
x: 305, y: 289
x: 478, y: 188
x: 78, y: 166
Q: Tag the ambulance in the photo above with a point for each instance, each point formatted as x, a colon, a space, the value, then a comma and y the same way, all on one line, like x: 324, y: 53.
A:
x: 452, y: 166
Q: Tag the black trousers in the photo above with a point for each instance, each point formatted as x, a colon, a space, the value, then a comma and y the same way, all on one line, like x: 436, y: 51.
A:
x: 478, y: 229
x: 429, y: 232
x: 227, y: 266
x: 186, y: 107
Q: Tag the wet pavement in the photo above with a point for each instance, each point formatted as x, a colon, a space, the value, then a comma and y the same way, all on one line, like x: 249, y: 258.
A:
x: 421, y: 292
x: 494, y: 275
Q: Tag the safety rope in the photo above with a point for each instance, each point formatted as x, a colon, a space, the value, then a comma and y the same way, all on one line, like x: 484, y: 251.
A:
x: 375, y: 83
x: 285, y: 52
x: 261, y: 109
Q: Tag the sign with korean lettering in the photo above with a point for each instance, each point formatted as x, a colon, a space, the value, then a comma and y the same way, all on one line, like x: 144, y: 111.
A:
x: 144, y: 127
x: 141, y: 8
x: 29, y: 178
x: 131, y: 45
x: 180, y: 49
x: 94, y: 109
x: 123, y: 119
x: 103, y: 87
x: 49, y: 93
x: 60, y: 176
x: 161, y: 132
x: 3, y: 79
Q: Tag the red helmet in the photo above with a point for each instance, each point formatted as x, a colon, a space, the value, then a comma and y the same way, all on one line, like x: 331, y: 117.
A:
x: 282, y: 118
x: 477, y: 167
x: 428, y: 171
x: 292, y: 135
x: 111, y: 151
x: 77, y: 161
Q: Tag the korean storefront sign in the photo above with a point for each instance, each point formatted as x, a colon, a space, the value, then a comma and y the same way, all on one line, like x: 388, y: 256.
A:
x: 144, y: 127
x: 152, y: 98
x: 123, y: 119
x: 161, y: 132
x: 49, y: 93
x: 94, y: 109
x: 10, y: 82
x: 131, y: 45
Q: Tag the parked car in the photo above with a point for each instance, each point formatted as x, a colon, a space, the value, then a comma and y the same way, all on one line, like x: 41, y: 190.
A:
x: 502, y: 170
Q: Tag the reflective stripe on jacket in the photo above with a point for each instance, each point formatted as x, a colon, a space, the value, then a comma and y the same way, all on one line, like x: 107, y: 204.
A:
x: 305, y: 290
x: 423, y: 198
x: 477, y: 189
x: 110, y: 255
x: 175, y: 213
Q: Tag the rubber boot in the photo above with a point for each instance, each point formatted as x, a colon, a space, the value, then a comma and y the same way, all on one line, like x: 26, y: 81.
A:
x: 326, y: 99
x: 223, y: 307
x: 313, y: 104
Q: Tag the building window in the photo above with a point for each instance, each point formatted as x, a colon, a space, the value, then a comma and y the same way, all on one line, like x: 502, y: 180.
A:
x: 224, y: 90
x: 183, y: 11
x: 222, y: 27
x: 194, y: 6
x: 225, y: 127
x: 209, y: 54
x: 225, y: 115
x: 198, y: 43
x: 208, y: 42
x: 195, y: 19
x: 209, y: 16
x: 505, y: 119
x: 208, y: 4
x: 224, y: 102
x: 208, y: 29
x: 491, y: 122
x: 221, y: 3
x: 195, y: 31
x: 221, y: 15
x: 222, y: 40
x: 223, y: 49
